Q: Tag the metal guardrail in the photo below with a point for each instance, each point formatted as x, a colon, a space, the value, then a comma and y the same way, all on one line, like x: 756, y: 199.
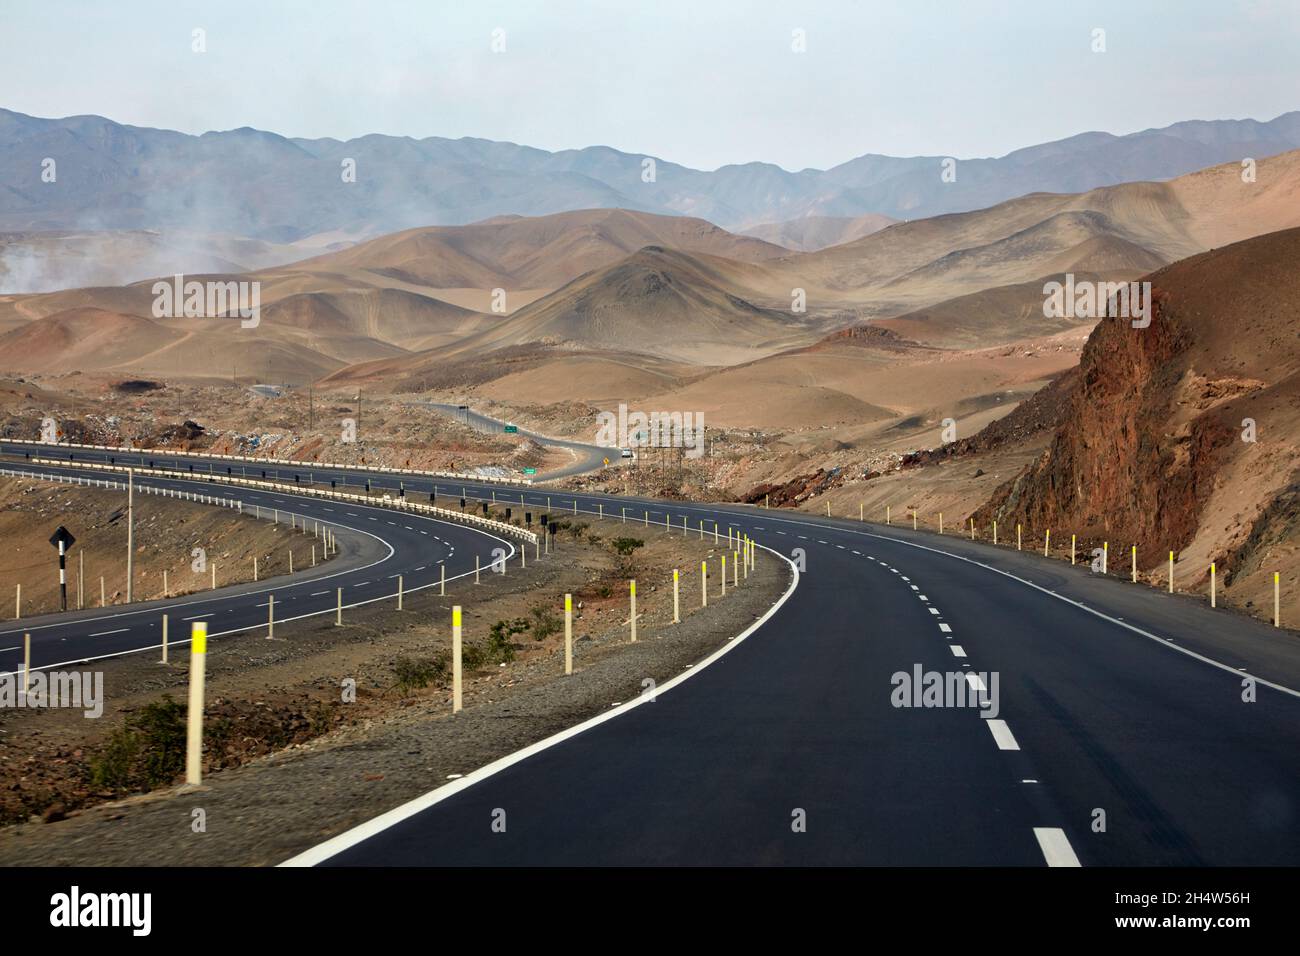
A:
x: 121, y: 486
x: 396, y: 504
x: 463, y: 476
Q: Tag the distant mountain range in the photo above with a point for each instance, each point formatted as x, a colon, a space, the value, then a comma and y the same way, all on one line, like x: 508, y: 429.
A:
x: 260, y: 185
x: 662, y: 299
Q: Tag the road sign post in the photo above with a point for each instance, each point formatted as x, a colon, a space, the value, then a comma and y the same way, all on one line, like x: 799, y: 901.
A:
x: 63, y: 540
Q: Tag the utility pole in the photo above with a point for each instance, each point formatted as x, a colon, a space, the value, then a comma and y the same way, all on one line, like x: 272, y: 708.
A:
x: 311, y: 409
x: 130, y: 535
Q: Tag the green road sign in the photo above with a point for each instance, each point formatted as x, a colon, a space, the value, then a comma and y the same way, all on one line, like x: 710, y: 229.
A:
x: 512, y: 429
x: 530, y: 471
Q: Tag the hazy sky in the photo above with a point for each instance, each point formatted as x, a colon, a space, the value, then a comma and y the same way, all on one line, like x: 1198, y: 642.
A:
x: 701, y: 82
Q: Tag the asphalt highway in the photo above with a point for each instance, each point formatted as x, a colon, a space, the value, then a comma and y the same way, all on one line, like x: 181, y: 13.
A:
x: 1131, y: 727
x: 376, y: 546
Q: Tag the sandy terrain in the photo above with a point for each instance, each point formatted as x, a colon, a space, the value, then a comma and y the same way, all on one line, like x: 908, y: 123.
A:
x: 167, y: 531
x: 287, y: 694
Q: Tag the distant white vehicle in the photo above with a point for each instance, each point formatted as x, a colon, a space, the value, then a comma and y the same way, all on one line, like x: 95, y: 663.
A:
x: 626, y: 453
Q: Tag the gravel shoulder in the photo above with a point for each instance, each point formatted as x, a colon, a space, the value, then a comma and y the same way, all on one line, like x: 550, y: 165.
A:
x: 395, y: 742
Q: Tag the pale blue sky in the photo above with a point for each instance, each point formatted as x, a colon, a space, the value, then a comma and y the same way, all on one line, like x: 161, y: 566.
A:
x: 701, y: 82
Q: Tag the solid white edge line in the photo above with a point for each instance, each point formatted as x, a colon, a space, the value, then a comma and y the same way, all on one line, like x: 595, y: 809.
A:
x: 358, y: 834
x: 1163, y: 642
x: 75, y: 662
x: 1002, y: 734
x: 1055, y: 846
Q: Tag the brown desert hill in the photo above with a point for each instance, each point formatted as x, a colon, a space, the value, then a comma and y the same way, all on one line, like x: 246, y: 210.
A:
x: 659, y: 302
x: 995, y: 316
x: 1152, y: 447
x: 88, y: 339
x: 535, y: 251
x: 395, y: 316
x: 1133, y: 226
x: 82, y: 339
x: 810, y: 233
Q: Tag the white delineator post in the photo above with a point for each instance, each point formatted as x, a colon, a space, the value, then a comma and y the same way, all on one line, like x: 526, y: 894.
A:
x: 130, y: 535
x: 270, y: 616
x: 194, y: 725
x: 27, y: 663
x: 164, y: 640
x: 632, y: 616
x: 456, y: 697
x: 677, y: 606
x: 1171, y: 572
x: 568, y: 633
x: 338, y: 610
x: 704, y: 584
x: 1277, y: 601
x: 724, y: 572
x: 1213, y: 589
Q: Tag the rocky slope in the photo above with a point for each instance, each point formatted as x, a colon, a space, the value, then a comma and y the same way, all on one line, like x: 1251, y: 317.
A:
x: 1155, y: 447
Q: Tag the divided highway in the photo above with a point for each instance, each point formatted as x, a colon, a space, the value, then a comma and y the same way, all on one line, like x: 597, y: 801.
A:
x: 376, y: 546
x: 1132, y: 727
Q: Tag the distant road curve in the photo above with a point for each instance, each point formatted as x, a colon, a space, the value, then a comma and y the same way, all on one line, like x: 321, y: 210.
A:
x: 586, y: 457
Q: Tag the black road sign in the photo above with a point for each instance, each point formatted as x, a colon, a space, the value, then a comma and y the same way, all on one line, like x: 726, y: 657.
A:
x: 63, y: 540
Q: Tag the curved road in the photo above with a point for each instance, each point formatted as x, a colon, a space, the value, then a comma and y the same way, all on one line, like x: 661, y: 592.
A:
x: 585, y: 457
x: 376, y: 546
x: 1132, y: 728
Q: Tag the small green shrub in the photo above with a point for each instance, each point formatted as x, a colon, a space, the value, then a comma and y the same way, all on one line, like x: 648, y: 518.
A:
x: 412, y: 673
x: 625, y: 546
x: 545, y: 623
x: 146, y: 752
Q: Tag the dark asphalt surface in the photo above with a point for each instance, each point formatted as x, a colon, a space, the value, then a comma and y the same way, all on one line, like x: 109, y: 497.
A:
x: 1136, y: 752
x: 376, y: 545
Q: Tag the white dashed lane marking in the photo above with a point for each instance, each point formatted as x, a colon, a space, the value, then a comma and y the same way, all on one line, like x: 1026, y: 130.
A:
x: 1055, y: 846
x: 945, y: 628
x: 957, y: 650
x: 934, y: 610
x: 1002, y: 734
